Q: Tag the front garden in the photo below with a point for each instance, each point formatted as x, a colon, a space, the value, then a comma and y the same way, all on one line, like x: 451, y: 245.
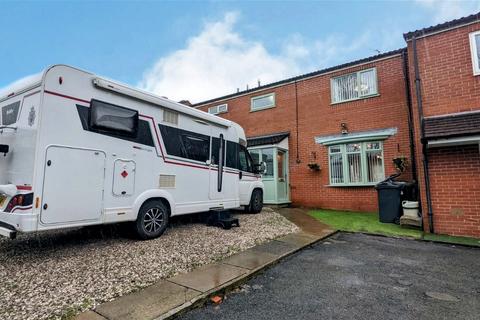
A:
x: 368, y: 222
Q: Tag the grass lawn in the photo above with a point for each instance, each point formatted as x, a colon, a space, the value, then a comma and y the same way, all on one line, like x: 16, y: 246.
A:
x: 362, y: 222
x: 450, y: 239
x: 368, y: 222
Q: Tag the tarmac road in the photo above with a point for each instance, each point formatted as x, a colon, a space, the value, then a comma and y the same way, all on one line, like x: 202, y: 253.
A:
x: 356, y: 276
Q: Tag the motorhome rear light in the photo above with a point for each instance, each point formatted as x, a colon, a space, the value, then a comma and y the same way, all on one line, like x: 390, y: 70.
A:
x: 20, y: 200
x: 60, y: 80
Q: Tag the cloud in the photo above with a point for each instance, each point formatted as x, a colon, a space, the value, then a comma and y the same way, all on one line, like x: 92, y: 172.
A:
x: 219, y: 60
x: 20, y: 84
x: 445, y: 10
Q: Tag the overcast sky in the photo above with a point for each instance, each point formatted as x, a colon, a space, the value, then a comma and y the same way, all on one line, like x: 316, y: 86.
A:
x: 201, y: 50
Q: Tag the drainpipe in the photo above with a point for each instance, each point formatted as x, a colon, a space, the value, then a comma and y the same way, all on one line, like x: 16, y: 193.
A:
x: 411, y: 136
x: 296, y: 120
x: 418, y: 93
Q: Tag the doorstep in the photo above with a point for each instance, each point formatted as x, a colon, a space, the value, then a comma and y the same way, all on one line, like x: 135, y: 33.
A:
x: 170, y: 297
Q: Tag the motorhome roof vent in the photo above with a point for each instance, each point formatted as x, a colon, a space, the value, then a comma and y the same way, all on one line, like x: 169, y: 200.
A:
x: 170, y: 116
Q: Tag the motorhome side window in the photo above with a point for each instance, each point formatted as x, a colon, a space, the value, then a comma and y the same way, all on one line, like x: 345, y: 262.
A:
x: 185, y: 144
x: 10, y: 113
x: 245, y: 160
x: 232, y: 154
x: 106, y: 117
x: 216, y: 151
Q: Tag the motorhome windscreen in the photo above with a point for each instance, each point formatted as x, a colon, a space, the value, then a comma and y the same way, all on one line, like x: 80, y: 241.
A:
x: 10, y: 113
x: 112, y: 118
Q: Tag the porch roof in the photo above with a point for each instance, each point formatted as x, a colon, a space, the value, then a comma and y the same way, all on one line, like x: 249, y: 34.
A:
x: 381, y: 134
x: 268, y: 139
x: 452, y: 125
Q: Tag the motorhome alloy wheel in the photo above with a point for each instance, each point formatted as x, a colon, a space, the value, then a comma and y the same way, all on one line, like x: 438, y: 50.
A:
x: 152, y: 220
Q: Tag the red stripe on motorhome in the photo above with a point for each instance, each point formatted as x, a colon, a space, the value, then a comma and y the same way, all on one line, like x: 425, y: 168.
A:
x: 65, y: 96
x: 28, y: 188
x: 156, y: 134
x: 21, y: 208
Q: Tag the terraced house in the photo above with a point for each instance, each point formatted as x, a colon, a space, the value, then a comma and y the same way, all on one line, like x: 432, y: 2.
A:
x: 329, y: 136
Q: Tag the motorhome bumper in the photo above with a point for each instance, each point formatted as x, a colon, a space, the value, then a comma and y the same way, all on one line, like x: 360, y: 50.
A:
x: 8, y: 233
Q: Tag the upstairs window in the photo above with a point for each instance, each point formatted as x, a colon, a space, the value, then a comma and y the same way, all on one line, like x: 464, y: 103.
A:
x: 353, y: 86
x: 223, y: 108
x: 356, y: 163
x: 475, y: 51
x: 263, y: 102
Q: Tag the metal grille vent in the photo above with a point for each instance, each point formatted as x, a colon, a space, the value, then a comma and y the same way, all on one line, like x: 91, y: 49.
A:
x: 167, y: 181
x: 170, y: 116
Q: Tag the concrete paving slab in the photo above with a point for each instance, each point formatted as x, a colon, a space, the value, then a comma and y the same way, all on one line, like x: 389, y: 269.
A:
x: 209, y: 277
x: 89, y: 315
x: 299, y: 239
x: 250, y: 259
x: 305, y: 222
x: 276, y: 248
x: 147, y: 303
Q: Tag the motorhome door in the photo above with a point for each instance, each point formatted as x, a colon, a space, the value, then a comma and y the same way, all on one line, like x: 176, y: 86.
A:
x: 73, y: 185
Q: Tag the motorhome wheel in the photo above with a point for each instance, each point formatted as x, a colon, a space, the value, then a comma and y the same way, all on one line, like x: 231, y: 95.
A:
x: 152, y: 220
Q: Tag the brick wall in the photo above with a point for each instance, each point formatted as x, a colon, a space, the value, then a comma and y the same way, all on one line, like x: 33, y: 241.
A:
x: 318, y: 117
x: 455, y: 189
x: 448, y: 86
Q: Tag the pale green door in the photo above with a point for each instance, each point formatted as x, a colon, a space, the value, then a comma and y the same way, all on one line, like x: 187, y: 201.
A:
x: 275, y: 178
x: 282, y: 176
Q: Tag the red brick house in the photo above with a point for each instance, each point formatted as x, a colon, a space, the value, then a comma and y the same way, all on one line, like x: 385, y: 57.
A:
x: 445, y: 88
x: 329, y: 136
x: 349, y: 120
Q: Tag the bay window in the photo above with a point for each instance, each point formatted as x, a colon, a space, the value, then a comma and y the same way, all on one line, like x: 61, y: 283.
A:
x: 356, y: 163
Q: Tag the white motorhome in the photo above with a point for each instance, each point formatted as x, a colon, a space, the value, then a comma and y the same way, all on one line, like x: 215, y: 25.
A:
x: 77, y: 149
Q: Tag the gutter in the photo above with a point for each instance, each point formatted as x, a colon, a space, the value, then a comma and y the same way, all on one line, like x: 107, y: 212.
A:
x: 418, y: 93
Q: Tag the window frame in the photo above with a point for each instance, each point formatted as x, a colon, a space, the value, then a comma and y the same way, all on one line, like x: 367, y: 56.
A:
x: 358, y: 75
x: 179, y: 136
x: 363, y: 165
x: 474, y: 52
x: 252, y: 99
x: 95, y: 127
x: 217, y: 108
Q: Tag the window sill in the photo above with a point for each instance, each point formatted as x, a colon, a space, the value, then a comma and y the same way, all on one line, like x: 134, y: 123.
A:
x: 356, y: 99
x: 351, y: 185
x: 261, y: 109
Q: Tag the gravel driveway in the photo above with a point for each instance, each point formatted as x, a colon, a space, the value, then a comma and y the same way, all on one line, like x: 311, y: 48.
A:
x: 60, y: 273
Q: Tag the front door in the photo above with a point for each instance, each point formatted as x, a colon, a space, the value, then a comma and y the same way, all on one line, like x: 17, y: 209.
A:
x: 282, y: 175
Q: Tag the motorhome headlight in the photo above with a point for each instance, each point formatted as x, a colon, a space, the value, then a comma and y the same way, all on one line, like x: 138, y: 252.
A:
x: 20, y: 200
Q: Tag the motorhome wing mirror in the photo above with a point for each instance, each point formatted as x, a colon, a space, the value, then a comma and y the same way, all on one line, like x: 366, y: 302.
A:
x: 4, y: 148
x: 260, y: 168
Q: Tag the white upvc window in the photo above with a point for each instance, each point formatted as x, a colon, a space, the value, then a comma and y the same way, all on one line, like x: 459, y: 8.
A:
x: 475, y: 51
x: 354, y: 164
x: 222, y: 108
x: 262, y: 102
x: 353, y: 86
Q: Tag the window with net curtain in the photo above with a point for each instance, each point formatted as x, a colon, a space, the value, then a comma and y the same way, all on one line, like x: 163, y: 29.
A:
x: 356, y: 163
x: 354, y: 86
